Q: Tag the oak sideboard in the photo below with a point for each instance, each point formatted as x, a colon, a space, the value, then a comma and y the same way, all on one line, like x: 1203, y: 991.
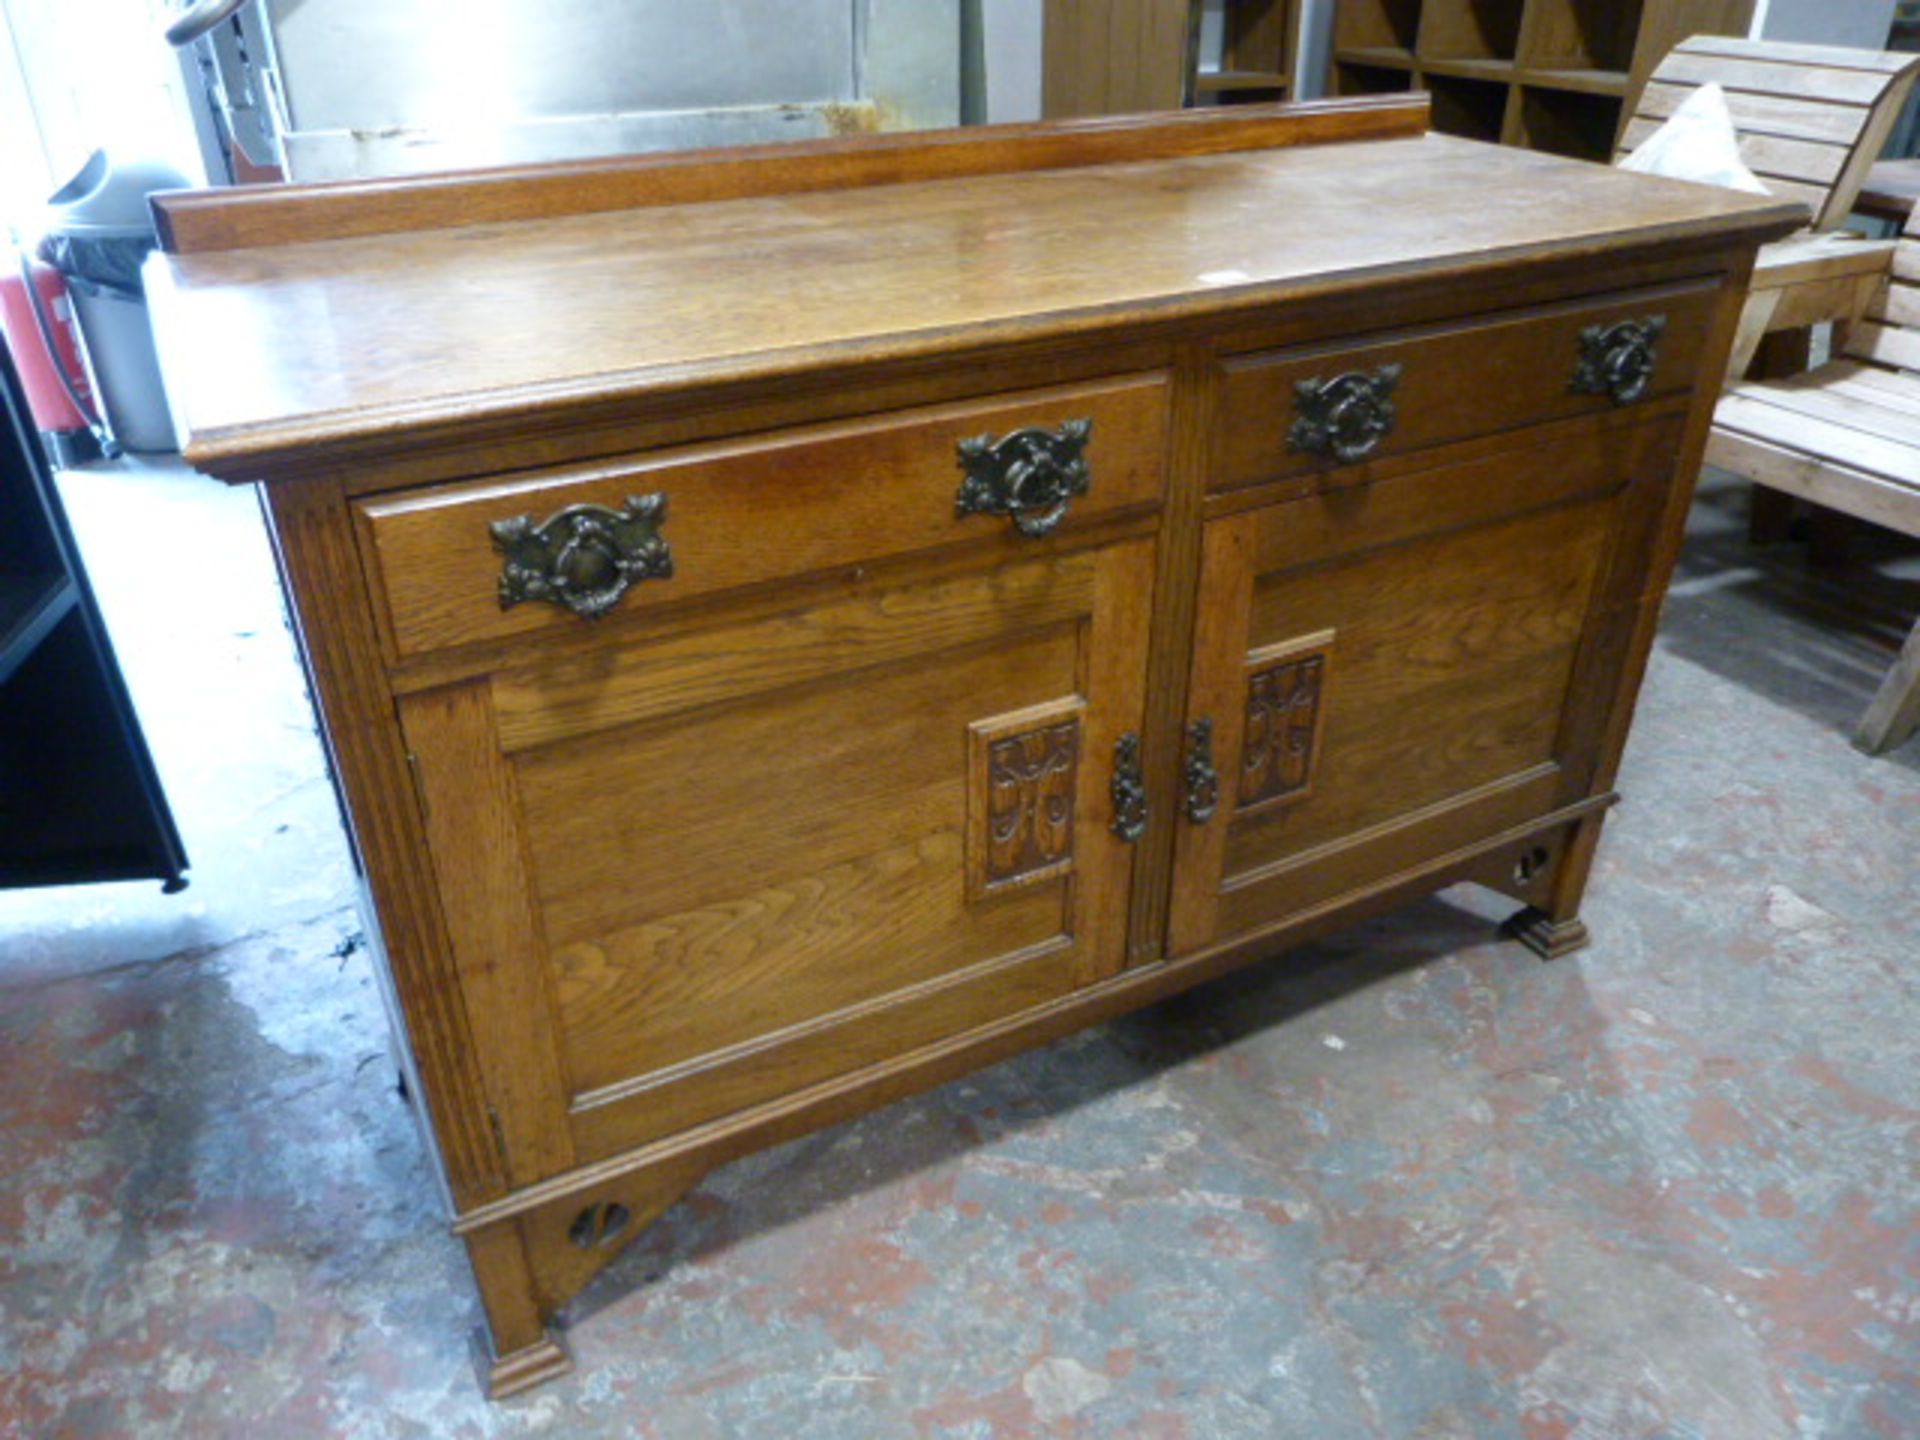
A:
x: 794, y: 624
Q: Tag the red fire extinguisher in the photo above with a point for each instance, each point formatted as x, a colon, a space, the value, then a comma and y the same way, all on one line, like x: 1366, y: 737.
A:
x: 36, y: 315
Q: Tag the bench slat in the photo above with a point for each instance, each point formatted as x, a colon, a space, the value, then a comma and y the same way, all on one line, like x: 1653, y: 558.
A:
x: 1838, y: 57
x: 1884, y: 345
x: 1800, y: 119
x: 1849, y: 377
x: 1872, y: 498
x: 1819, y: 438
x: 1878, y: 412
x: 1809, y: 160
x: 1763, y: 77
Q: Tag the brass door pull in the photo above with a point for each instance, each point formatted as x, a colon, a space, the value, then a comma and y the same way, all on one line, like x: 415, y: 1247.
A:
x: 1203, y: 781
x: 1129, y: 789
x: 1346, y: 417
x: 585, y: 557
x: 1619, y: 359
x: 1031, y: 475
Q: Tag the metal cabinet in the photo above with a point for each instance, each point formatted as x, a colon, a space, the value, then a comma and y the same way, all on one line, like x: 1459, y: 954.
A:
x: 79, y: 797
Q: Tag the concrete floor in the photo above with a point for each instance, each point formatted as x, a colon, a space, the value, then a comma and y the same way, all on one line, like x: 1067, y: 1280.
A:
x: 1409, y: 1183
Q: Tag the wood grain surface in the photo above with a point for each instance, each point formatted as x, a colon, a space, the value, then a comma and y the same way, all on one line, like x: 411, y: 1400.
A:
x: 757, y: 511
x: 239, y: 217
x: 672, y: 885
x: 318, y: 559
x: 524, y: 318
x: 1454, y: 381
x: 1460, y: 595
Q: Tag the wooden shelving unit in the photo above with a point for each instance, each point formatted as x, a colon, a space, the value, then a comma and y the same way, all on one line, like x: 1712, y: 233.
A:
x: 1256, y: 53
x: 1546, y: 74
x: 1109, y: 57
x: 1115, y: 57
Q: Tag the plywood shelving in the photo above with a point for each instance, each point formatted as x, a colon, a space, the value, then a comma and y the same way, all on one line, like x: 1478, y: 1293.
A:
x: 1106, y: 57
x: 1256, y: 53
x: 1546, y: 74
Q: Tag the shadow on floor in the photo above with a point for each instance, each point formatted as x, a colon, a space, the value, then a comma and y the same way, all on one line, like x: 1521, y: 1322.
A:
x: 1814, y: 638
x: 1081, y: 1070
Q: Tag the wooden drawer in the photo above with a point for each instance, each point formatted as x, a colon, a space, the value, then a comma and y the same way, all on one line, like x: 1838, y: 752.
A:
x: 749, y: 512
x: 1446, y: 384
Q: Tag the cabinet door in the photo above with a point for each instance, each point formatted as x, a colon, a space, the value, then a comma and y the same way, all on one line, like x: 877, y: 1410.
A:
x: 686, y: 874
x: 1385, y: 673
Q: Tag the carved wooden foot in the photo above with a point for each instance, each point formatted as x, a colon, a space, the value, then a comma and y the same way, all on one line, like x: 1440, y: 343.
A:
x: 1545, y: 936
x: 515, y: 1351
x: 1547, y: 874
x: 505, y: 1375
x: 529, y: 1262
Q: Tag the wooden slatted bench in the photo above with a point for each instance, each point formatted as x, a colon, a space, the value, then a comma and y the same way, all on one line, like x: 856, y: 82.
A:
x: 1811, y: 119
x: 1847, y: 435
x: 1806, y: 280
x: 1891, y: 189
x: 1811, y: 122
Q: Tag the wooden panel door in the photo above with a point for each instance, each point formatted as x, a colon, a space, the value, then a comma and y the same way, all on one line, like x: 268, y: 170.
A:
x: 1390, y: 671
x: 689, y: 873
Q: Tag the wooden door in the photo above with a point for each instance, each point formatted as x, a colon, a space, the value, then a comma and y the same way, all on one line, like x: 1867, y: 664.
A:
x: 1391, y: 671
x: 686, y: 874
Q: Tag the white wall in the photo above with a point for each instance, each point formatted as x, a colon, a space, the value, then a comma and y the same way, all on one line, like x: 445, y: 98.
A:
x: 1316, y: 49
x: 1864, y: 23
x: 26, y: 173
x: 81, y: 74
x: 1014, y: 31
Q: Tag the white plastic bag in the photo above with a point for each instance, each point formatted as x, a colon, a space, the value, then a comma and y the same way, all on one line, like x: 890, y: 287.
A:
x: 1697, y: 143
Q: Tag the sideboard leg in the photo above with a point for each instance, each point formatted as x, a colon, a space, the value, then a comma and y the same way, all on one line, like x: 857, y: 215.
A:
x: 1552, y: 926
x: 516, y: 1349
x: 1545, y: 936
x: 531, y: 1264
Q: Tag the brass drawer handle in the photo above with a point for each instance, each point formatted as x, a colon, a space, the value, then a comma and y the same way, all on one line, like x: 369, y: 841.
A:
x: 1346, y: 417
x: 1129, y: 789
x: 1031, y: 475
x: 1203, y: 781
x: 1619, y: 359
x: 585, y: 557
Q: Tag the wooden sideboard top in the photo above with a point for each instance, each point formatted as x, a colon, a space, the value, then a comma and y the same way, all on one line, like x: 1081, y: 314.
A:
x: 283, y: 347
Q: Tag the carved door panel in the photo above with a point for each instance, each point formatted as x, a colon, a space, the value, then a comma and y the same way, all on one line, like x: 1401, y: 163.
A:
x: 686, y: 874
x: 1387, y: 672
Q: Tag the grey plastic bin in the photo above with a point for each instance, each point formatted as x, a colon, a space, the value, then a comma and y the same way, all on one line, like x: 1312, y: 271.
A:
x: 98, y: 232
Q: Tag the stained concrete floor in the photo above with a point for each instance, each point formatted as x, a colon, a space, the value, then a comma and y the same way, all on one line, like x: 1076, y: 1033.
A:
x: 1407, y: 1183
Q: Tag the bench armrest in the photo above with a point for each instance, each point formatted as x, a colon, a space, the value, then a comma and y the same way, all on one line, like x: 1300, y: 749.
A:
x: 1805, y: 280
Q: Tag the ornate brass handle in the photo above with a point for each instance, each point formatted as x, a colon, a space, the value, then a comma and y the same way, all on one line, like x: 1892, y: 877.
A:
x: 1346, y: 417
x: 1203, y: 781
x: 1619, y: 359
x: 1129, y: 789
x: 584, y: 558
x: 1031, y: 475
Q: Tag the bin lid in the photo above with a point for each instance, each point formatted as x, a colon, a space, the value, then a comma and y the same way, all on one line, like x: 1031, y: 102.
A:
x: 108, y: 198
